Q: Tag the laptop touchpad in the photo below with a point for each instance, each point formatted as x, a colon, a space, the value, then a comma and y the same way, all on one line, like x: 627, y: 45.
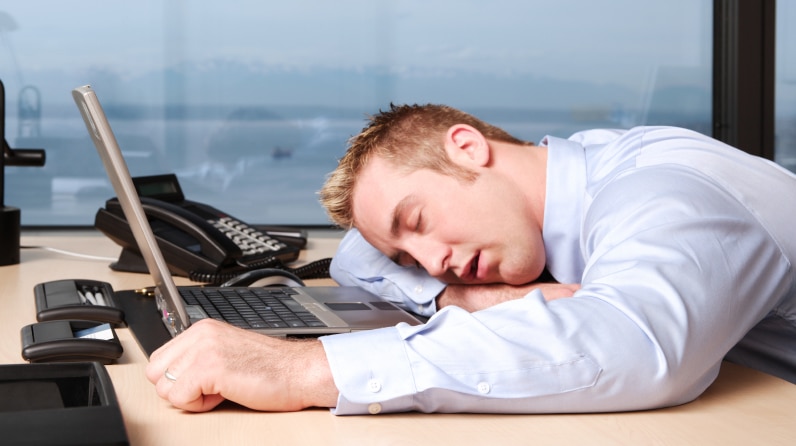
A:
x: 347, y: 306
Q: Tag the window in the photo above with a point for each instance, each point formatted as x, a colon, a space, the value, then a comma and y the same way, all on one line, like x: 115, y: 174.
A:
x: 785, y: 87
x: 251, y: 103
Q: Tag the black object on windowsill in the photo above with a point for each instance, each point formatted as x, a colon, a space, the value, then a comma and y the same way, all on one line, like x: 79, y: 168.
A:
x: 10, y: 217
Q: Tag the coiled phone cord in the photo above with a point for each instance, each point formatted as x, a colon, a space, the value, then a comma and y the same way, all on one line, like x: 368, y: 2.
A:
x: 318, y: 269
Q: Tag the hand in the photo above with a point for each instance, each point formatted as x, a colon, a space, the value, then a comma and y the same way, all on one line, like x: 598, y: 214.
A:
x: 553, y: 291
x: 213, y: 361
x: 477, y: 297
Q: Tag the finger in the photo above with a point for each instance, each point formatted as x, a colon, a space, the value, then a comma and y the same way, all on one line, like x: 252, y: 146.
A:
x: 200, y: 402
x: 187, y: 392
x: 163, y: 386
x: 168, y: 353
x: 160, y: 360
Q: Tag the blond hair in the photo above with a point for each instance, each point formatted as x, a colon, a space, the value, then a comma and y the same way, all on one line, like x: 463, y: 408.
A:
x: 410, y: 137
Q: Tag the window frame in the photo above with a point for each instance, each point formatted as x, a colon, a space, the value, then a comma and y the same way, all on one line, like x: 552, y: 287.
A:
x: 744, y: 37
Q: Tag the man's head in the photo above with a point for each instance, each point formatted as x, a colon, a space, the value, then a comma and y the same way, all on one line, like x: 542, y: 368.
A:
x: 435, y: 187
x: 410, y: 137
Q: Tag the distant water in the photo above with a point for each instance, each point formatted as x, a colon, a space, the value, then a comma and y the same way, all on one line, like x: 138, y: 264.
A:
x: 260, y: 170
x: 264, y: 171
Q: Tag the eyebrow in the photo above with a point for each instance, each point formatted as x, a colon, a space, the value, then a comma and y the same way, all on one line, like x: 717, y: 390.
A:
x: 397, y: 213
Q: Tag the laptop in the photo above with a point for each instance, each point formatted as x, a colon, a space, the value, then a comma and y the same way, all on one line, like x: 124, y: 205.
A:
x: 276, y: 311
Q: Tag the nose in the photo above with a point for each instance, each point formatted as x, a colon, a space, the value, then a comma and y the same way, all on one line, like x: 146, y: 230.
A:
x: 433, y: 256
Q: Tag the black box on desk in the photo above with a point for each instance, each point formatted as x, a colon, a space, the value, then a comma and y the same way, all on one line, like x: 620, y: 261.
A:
x: 59, y: 404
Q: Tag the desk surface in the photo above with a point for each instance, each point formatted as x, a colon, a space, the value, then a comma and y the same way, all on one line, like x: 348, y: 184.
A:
x: 742, y: 407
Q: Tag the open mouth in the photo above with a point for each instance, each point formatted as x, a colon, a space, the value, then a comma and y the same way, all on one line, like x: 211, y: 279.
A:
x: 473, y: 272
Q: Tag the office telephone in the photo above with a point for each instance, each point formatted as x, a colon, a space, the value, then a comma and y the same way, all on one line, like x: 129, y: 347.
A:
x: 197, y: 240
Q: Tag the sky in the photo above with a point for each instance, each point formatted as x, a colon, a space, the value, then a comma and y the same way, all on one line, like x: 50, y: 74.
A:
x: 612, y: 42
x: 556, y: 38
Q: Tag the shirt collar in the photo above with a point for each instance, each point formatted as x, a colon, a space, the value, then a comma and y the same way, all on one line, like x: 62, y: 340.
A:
x: 564, y: 204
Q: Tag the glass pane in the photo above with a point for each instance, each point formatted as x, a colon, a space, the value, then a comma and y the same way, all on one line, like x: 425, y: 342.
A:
x: 251, y: 103
x: 785, y: 87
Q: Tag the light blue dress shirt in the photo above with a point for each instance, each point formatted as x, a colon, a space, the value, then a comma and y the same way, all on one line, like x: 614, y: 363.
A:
x: 682, y: 246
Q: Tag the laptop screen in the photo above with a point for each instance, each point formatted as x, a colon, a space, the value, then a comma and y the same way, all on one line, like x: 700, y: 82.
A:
x: 174, y: 312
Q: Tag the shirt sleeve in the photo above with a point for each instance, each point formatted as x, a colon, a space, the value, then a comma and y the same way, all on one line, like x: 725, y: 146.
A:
x: 673, y: 280
x: 357, y: 263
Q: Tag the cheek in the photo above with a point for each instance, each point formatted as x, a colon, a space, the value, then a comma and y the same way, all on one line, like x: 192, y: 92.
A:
x: 490, y: 211
x: 472, y: 206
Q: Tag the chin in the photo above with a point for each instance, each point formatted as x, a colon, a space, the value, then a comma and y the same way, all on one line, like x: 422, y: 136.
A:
x: 523, y: 277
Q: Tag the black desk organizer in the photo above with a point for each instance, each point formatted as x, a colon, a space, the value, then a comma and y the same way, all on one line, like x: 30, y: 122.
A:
x: 59, y: 404
x: 61, y: 300
x: 64, y: 299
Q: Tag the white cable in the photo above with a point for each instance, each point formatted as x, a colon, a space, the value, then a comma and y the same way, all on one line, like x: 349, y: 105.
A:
x: 70, y: 253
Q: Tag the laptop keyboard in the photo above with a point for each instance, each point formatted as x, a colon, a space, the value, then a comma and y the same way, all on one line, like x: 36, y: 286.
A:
x: 252, y: 307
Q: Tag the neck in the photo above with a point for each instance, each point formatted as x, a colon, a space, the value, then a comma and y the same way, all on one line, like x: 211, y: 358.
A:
x: 525, y: 166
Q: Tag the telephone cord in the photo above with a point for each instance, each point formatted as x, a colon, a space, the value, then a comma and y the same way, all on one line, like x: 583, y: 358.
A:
x: 318, y: 269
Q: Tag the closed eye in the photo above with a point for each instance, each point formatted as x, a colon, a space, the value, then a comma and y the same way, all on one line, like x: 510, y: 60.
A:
x: 416, y: 222
x: 404, y: 259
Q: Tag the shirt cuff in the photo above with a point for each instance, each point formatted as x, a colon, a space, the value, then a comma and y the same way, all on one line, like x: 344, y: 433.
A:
x: 371, y: 371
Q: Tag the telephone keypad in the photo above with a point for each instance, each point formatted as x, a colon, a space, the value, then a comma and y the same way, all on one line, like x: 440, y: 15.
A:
x: 250, y: 240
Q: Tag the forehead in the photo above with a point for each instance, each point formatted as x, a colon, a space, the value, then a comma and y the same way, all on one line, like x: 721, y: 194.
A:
x: 381, y: 191
x: 376, y: 190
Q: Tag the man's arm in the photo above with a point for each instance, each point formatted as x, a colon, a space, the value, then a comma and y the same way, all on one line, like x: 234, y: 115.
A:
x: 479, y: 297
x: 213, y: 361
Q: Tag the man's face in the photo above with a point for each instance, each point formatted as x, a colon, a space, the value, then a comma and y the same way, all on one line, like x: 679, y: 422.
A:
x: 460, y: 232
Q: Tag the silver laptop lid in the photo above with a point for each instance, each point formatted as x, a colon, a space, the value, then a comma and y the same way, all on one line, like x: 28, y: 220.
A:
x: 168, y: 300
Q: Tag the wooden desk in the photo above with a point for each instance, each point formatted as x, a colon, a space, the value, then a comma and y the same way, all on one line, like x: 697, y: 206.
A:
x: 742, y: 407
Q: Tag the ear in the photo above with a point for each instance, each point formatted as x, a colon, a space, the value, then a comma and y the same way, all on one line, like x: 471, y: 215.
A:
x: 467, y: 146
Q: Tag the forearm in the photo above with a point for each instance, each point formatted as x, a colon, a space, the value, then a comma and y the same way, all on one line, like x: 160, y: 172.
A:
x: 479, y: 297
x: 316, y: 384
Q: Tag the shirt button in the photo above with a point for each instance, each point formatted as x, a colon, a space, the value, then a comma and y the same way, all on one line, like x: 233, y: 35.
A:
x: 374, y: 385
x: 418, y: 289
x: 483, y: 388
x: 374, y: 408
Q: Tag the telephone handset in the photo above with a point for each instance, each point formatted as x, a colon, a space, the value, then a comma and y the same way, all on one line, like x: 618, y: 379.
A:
x: 196, y: 239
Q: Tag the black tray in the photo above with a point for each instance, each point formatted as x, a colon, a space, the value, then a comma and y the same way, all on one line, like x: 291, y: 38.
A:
x: 59, y: 404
